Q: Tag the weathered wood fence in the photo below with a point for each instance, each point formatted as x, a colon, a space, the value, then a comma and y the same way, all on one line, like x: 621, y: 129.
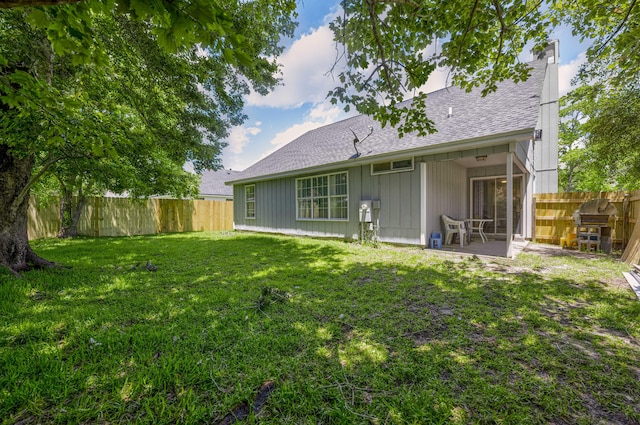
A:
x: 554, y: 214
x: 126, y: 217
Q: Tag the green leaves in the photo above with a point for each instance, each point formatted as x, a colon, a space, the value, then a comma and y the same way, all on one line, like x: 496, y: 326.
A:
x: 614, y: 29
x: 38, y: 18
x: 391, y: 49
x: 121, y: 96
x: 599, y: 136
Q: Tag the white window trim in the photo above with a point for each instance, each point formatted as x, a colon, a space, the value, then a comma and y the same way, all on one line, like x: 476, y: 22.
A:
x: 474, y: 179
x: 399, y: 170
x: 246, y: 201
x: 328, y: 196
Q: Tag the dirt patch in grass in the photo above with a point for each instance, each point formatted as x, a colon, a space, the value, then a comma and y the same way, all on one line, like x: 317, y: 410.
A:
x: 559, y: 261
x: 546, y: 250
x: 242, y: 410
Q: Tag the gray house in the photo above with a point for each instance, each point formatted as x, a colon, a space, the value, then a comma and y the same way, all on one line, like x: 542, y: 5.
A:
x: 486, y: 160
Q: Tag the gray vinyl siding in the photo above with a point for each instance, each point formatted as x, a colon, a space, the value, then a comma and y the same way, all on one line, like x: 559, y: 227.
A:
x: 399, y: 215
x: 276, y: 212
x: 238, y: 204
x: 524, y: 152
x: 546, y: 150
x: 446, y: 189
x: 399, y: 195
x: 446, y: 193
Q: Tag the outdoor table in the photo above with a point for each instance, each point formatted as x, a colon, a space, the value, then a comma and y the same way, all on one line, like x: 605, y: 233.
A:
x: 477, y: 224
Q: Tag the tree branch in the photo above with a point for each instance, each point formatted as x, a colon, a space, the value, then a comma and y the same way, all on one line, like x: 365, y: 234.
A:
x: 375, y: 70
x: 468, y: 29
x: 376, y: 35
x: 617, y: 30
x: 503, y: 29
x: 403, y: 2
x: 533, y: 8
x: 385, y: 63
x: 344, y: 43
x: 23, y: 193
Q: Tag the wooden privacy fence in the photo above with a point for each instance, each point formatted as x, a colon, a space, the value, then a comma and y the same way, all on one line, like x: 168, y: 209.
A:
x: 554, y: 214
x: 126, y: 217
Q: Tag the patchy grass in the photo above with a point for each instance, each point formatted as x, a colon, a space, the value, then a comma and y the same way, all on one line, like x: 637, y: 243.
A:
x: 289, y: 330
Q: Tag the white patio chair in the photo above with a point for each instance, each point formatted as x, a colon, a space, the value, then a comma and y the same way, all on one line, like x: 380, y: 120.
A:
x: 451, y: 228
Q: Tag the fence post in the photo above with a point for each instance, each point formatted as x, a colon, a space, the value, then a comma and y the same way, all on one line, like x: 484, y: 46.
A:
x: 157, y: 209
x: 625, y: 219
x: 96, y: 216
x: 533, y: 221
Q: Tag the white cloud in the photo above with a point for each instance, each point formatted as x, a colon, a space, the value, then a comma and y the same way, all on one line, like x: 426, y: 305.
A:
x: 318, y: 116
x: 239, y: 138
x: 237, y: 162
x: 438, y: 79
x: 305, y: 66
x: 325, y: 113
x: 568, y: 71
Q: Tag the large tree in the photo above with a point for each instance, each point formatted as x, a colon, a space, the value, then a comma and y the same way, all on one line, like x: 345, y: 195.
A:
x: 123, y: 94
x: 579, y: 169
x: 600, y: 138
x: 162, y: 98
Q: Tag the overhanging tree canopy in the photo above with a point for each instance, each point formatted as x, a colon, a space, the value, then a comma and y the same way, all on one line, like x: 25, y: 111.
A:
x: 391, y: 47
x: 128, y: 90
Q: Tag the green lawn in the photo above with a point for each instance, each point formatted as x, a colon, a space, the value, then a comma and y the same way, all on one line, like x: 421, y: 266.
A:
x: 341, y: 333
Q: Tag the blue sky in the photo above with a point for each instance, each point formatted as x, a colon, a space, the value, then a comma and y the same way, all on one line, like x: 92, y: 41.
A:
x: 300, y: 103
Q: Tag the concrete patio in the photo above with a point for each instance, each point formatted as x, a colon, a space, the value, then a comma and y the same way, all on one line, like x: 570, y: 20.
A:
x: 491, y: 248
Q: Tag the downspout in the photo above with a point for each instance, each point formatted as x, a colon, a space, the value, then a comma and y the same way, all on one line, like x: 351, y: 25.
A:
x: 509, y: 204
x: 423, y: 204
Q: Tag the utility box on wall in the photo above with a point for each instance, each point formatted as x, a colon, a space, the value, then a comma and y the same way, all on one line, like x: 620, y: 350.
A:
x: 367, y: 208
x: 365, y: 211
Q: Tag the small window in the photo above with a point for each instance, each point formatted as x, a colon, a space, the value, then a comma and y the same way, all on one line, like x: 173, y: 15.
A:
x: 250, y: 201
x: 402, y: 164
x: 392, y: 166
x: 381, y: 167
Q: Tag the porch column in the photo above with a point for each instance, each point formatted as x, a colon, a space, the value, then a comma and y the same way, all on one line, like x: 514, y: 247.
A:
x: 509, y: 203
x: 423, y: 204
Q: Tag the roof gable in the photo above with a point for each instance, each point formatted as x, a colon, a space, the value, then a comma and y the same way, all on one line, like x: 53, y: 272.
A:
x: 511, y: 108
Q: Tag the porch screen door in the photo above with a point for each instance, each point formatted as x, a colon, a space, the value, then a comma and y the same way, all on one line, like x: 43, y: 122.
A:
x: 489, y: 200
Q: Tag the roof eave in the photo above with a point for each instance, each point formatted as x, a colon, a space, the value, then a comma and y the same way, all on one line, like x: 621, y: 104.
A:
x: 475, y: 143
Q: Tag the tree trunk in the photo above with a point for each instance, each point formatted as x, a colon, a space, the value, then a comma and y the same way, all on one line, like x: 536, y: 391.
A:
x: 70, y: 213
x: 15, y: 252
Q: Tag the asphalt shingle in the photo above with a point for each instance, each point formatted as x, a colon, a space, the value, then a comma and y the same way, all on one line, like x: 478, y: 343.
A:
x: 513, y: 107
x: 213, y: 182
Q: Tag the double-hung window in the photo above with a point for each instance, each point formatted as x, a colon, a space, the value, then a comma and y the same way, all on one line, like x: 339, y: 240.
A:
x: 250, y: 201
x: 324, y: 197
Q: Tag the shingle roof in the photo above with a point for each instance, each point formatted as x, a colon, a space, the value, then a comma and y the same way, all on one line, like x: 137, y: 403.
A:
x: 513, y: 107
x: 213, y: 182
